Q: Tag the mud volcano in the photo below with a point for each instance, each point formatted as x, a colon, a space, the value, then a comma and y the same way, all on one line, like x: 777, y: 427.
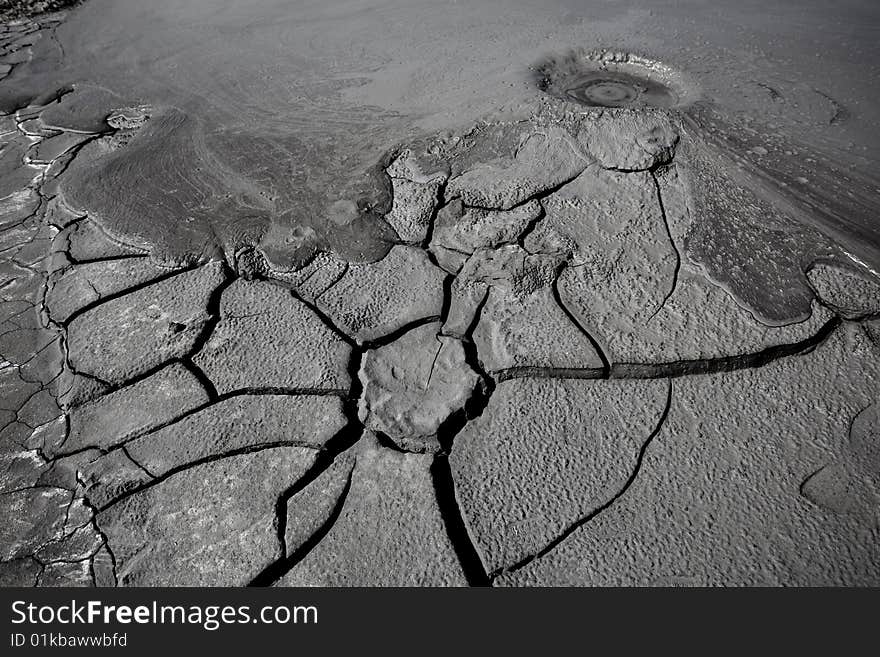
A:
x: 609, y: 79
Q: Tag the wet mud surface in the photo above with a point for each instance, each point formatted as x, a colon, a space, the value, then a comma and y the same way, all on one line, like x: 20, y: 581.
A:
x: 369, y: 335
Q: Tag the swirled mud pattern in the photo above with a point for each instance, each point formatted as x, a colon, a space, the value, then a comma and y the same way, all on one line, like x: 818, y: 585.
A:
x: 185, y: 202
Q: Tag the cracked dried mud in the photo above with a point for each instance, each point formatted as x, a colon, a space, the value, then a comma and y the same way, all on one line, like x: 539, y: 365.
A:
x: 605, y: 327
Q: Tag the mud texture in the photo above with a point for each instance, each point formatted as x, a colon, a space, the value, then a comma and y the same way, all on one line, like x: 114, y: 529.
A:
x: 18, y: 9
x: 571, y: 347
x: 614, y: 79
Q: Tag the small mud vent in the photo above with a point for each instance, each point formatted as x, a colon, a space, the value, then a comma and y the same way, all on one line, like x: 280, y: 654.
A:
x: 613, y: 79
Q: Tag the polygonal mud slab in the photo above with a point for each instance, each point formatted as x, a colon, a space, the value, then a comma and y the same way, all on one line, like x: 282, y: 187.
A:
x: 727, y: 494
x: 18, y: 314
x: 411, y: 386
x: 16, y: 239
x: 39, y: 409
x: 214, y: 524
x: 105, y: 477
x: 629, y: 140
x: 19, y: 346
x: 83, y: 285
x: 235, y: 425
x: 78, y: 542
x: 416, y: 164
x: 544, y: 455
x: 611, y: 225
x: 268, y: 339
x: 138, y: 408
x: 104, y: 568
x: 134, y: 333
x: 389, y: 531
x: 31, y: 251
x: 464, y: 230
x: 528, y: 160
x: 628, y: 286
x: 240, y: 424
x: 75, y: 389
x: 75, y: 574
x: 46, y: 366
x: 14, y: 391
x: 413, y: 209
x: 699, y: 322
x: 376, y: 299
x: 21, y: 282
x: 505, y: 298
x: 68, y: 574
x: 18, y: 468
x: 46, y: 437
x: 64, y: 471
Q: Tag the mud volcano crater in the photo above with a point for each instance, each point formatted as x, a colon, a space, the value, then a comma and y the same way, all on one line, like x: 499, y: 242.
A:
x: 614, y: 79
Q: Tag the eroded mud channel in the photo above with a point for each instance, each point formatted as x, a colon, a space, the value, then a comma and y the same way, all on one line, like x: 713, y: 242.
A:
x: 560, y: 349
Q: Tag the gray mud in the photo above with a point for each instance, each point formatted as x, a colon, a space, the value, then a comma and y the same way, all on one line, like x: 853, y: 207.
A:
x: 614, y: 79
x: 387, y: 293
x: 18, y: 9
x: 293, y: 118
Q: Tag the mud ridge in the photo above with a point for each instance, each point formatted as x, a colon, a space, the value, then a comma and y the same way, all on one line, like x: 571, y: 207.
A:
x: 678, y: 368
